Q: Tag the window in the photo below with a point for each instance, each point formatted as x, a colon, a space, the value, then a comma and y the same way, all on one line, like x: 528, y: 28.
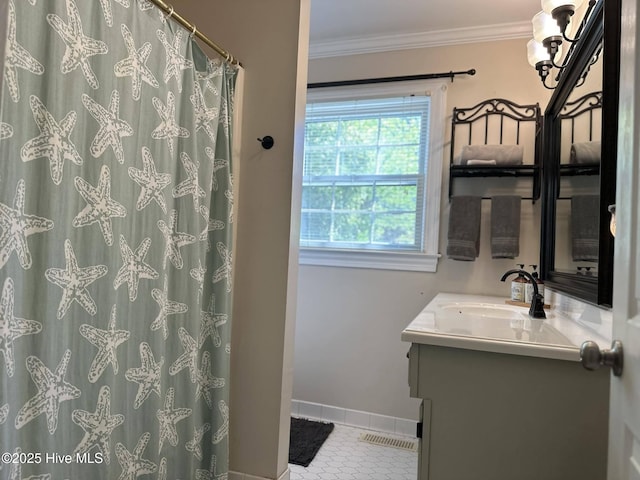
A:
x: 371, y: 176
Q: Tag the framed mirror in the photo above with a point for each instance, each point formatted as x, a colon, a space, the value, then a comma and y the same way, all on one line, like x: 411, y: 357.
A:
x: 579, y: 162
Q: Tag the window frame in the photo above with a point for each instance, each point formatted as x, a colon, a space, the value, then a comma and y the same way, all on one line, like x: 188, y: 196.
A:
x: 427, y: 259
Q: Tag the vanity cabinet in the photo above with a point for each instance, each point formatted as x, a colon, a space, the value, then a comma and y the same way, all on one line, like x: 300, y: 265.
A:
x: 500, y: 416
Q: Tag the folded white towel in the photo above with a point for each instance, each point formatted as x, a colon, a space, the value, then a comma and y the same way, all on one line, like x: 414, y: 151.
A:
x: 481, y: 162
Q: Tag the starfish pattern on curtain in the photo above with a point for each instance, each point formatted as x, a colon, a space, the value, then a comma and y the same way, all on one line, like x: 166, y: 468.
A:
x: 116, y: 248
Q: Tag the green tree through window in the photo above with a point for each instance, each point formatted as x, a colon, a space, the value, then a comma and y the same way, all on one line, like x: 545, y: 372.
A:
x: 365, y: 166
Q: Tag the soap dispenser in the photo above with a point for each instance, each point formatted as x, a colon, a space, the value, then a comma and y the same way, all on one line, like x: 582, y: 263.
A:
x: 529, y: 288
x: 518, y: 286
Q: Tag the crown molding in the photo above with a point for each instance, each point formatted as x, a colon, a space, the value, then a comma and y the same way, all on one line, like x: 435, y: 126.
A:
x: 407, y: 41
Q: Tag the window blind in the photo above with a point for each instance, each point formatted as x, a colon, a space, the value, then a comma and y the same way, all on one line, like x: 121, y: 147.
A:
x: 364, y: 173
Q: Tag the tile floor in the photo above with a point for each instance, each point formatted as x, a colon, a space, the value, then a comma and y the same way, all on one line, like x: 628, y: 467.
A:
x: 344, y: 457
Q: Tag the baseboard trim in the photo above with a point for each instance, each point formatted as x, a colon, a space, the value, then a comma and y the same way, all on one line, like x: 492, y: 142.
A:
x: 285, y: 475
x: 245, y: 476
x: 354, y: 418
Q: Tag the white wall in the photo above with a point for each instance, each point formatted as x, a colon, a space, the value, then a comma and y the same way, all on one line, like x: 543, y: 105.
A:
x: 265, y: 37
x: 348, y: 351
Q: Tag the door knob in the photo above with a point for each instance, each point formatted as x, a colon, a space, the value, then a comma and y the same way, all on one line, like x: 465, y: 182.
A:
x: 593, y: 358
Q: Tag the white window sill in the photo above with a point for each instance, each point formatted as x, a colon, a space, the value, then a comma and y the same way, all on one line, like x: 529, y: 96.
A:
x: 414, y: 262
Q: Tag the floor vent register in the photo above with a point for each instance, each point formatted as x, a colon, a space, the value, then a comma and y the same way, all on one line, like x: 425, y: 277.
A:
x: 384, y: 441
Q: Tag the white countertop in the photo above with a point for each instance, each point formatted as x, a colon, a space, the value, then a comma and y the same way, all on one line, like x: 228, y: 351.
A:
x: 487, y: 323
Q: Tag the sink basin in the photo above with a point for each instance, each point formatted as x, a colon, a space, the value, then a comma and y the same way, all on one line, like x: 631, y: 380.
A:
x: 484, y: 310
x: 495, y: 320
x: 487, y: 323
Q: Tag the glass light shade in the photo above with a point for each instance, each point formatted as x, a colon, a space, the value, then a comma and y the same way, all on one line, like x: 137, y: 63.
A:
x: 536, y: 52
x: 549, y: 5
x: 544, y: 26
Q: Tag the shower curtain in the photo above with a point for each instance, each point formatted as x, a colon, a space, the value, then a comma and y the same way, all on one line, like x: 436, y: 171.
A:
x: 116, y: 211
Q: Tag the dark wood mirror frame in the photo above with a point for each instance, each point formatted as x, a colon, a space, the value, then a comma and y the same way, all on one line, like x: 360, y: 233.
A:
x: 601, y: 29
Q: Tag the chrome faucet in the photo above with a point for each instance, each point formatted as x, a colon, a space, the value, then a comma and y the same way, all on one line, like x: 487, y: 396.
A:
x: 537, y: 302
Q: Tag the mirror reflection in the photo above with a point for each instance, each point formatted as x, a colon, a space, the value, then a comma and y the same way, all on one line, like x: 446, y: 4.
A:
x: 578, y: 196
x: 567, y: 257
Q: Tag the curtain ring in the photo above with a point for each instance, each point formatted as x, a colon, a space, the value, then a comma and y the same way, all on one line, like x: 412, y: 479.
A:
x: 170, y: 14
x: 193, y: 32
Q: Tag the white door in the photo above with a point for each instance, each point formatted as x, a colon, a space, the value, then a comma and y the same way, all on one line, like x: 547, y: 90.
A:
x: 624, y: 427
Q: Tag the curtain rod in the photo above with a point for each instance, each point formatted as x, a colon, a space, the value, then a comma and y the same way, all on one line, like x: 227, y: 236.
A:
x: 365, y: 81
x: 168, y: 9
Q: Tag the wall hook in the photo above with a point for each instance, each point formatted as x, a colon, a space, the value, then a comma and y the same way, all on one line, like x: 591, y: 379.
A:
x: 267, y: 142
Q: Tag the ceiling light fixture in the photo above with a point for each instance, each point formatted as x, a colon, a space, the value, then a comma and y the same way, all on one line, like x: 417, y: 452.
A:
x: 562, y: 11
x: 544, y: 51
x: 539, y: 57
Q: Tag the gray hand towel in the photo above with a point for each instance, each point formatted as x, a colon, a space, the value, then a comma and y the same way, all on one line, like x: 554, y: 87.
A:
x: 505, y: 226
x: 585, y: 220
x: 464, y: 228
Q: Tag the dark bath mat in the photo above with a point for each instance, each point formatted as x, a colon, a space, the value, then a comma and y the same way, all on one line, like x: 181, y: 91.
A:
x: 305, y: 439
